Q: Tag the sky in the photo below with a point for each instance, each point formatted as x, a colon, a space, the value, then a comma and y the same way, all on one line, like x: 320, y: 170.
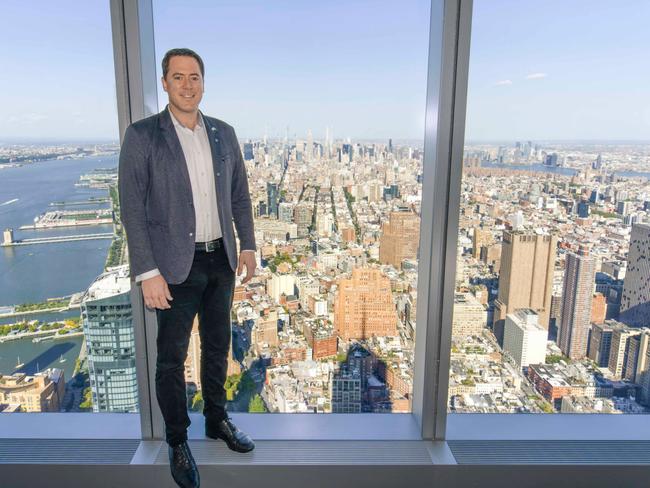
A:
x: 551, y: 70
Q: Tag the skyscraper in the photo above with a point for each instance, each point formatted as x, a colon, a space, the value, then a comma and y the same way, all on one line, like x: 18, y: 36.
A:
x: 526, y: 280
x: 577, y: 295
x: 364, y: 306
x: 110, y: 343
x: 620, y: 348
x: 600, y: 344
x: 272, y: 199
x: 635, y: 303
x: 400, y: 238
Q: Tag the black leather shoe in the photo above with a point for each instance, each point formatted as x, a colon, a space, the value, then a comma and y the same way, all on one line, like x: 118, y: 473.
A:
x: 234, y: 438
x: 183, y: 467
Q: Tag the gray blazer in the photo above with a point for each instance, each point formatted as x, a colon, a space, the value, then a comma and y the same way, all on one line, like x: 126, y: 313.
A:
x: 156, y: 196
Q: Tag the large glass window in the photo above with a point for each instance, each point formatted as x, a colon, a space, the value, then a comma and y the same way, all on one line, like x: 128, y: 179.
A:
x: 66, y: 335
x: 328, y: 103
x: 551, y: 310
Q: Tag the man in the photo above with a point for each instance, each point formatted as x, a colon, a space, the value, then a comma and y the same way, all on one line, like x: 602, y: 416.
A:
x: 182, y: 183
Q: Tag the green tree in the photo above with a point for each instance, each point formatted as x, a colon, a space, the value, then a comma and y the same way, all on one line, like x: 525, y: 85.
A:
x: 256, y: 405
x: 197, y: 402
x: 87, y: 402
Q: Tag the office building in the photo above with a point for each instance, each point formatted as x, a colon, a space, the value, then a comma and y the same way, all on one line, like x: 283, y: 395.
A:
x: 480, y: 239
x: 577, y: 294
x: 635, y: 302
x: 364, y: 306
x: 346, y: 391
x: 600, y: 344
x: 400, y: 238
x: 272, y: 197
x: 110, y: 343
x: 526, y: 280
x: 524, y: 338
x: 620, y: 348
x: 469, y: 316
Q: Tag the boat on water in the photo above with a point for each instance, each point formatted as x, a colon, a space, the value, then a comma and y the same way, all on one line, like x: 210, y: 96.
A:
x: 19, y: 364
x: 36, y: 340
x: 62, y: 359
x: 9, y: 202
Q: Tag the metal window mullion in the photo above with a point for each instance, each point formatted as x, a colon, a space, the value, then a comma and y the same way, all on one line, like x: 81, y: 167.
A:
x: 444, y: 134
x: 135, y: 83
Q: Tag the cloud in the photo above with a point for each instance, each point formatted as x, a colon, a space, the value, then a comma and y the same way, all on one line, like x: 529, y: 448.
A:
x: 536, y: 76
x: 503, y: 83
x: 26, y: 118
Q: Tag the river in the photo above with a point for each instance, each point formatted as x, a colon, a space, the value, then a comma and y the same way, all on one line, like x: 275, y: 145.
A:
x: 37, y: 272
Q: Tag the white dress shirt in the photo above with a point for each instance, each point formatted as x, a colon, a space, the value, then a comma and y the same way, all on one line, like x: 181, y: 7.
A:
x: 198, y: 157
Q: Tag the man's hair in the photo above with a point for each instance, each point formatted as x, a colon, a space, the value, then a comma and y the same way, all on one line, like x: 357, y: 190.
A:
x: 181, y: 51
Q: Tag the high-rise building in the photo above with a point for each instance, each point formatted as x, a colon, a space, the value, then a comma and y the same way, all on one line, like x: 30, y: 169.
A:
x: 583, y: 209
x: 598, y: 309
x: 285, y: 212
x: 526, y: 280
x: 110, y: 343
x: 272, y: 199
x: 302, y: 216
x: 600, y: 344
x: 346, y: 391
x: 524, y: 338
x: 644, y: 380
x: 266, y: 329
x: 279, y: 284
x: 469, y: 316
x: 364, y: 306
x: 480, y: 238
x: 620, y: 348
x: 636, y: 357
x: 577, y: 295
x: 635, y: 303
x: 248, y: 151
x: 400, y: 238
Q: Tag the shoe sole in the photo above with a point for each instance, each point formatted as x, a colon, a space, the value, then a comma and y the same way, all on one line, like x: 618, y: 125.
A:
x: 230, y: 445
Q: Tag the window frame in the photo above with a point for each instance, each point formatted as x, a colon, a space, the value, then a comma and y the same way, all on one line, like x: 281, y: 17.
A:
x: 448, y: 65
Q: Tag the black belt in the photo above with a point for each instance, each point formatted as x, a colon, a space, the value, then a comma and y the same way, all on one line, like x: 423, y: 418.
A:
x: 209, y: 246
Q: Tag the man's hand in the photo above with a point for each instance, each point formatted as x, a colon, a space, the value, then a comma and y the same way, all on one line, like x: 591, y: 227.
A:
x: 246, y: 258
x: 156, y: 293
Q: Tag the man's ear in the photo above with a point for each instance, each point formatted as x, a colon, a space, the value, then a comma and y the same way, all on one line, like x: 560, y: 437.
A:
x: 164, y: 83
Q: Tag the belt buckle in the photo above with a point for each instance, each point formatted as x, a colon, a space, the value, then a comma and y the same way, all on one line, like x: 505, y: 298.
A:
x: 210, y: 246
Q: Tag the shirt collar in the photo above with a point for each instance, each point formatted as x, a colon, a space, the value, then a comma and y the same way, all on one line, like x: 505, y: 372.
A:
x: 178, y: 125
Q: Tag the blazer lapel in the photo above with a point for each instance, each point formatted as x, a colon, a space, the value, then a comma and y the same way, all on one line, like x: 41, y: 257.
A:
x: 174, y: 145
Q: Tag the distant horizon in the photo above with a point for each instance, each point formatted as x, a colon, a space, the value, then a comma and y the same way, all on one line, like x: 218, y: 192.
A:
x: 617, y: 142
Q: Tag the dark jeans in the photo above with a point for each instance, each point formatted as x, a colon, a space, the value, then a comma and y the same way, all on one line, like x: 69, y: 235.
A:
x: 208, y: 291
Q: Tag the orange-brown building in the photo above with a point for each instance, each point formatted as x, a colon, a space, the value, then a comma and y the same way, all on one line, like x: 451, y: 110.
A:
x: 42, y: 392
x: 364, y: 306
x: 598, y: 309
x: 400, y: 237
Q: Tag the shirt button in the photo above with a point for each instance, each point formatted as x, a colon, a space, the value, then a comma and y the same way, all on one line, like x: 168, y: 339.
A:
x: 191, y: 234
x: 218, y: 174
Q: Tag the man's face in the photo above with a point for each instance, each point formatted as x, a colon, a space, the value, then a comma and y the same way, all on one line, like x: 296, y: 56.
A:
x: 184, y: 84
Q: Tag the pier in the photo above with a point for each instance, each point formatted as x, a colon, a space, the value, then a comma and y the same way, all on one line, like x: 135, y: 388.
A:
x: 83, y: 202
x: 54, y: 240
